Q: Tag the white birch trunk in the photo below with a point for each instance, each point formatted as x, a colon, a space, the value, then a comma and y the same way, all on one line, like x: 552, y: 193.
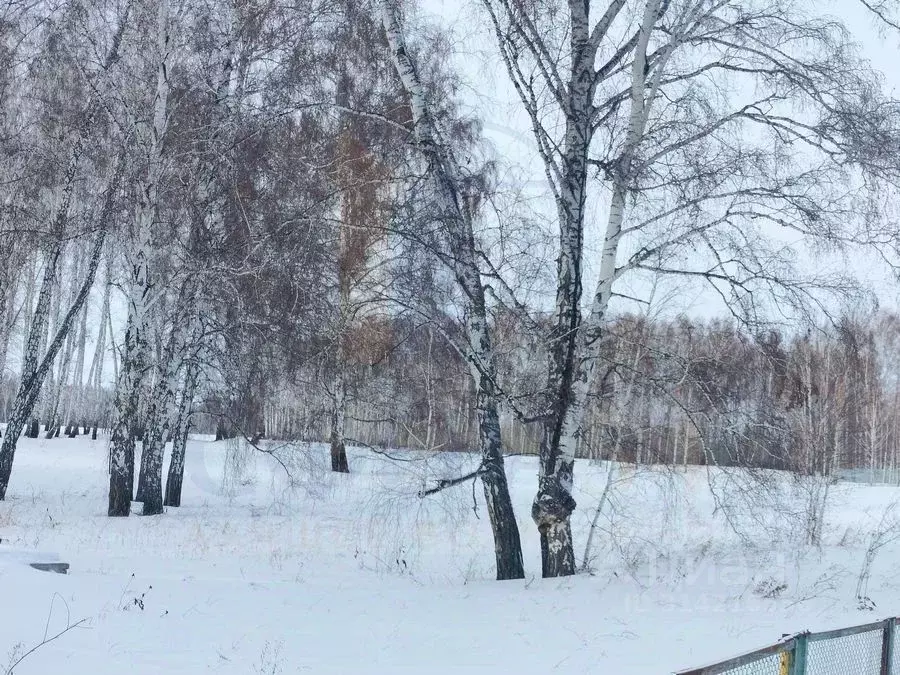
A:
x: 135, y: 354
x: 30, y: 388
x: 463, y: 263
x: 576, y: 343
x: 182, y: 425
x: 75, y: 406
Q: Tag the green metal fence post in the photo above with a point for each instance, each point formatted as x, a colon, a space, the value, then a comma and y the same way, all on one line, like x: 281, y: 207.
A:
x: 798, y: 663
x: 887, y: 647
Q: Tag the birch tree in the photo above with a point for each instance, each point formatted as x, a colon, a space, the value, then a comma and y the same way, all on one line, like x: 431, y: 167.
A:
x: 177, y: 346
x: 30, y: 387
x: 40, y: 349
x: 135, y: 351
x: 456, y: 219
x: 710, y: 126
x: 357, y: 235
x: 181, y: 428
x: 245, y: 205
x: 364, y: 150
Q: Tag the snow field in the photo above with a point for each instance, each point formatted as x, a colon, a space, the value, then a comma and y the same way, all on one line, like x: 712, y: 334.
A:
x: 325, y: 573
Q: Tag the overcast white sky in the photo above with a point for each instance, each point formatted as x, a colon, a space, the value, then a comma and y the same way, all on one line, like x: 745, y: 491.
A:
x: 492, y: 98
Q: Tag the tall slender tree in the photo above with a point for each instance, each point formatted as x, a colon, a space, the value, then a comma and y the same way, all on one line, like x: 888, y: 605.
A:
x: 135, y: 351
x: 684, y: 182
x: 40, y: 349
x: 456, y: 214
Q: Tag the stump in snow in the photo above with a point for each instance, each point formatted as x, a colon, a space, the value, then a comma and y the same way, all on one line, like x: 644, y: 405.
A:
x: 58, y: 567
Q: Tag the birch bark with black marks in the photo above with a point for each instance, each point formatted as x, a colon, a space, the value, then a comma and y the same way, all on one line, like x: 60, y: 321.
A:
x: 135, y: 352
x: 95, y: 373
x: 338, y: 385
x: 149, y: 490
x: 182, y: 426
x: 62, y: 374
x: 339, y: 463
x: 566, y: 169
x: 126, y: 401
x: 688, y: 185
x: 30, y: 388
x: 447, y: 185
x: 159, y: 418
x: 576, y: 343
x: 33, y: 373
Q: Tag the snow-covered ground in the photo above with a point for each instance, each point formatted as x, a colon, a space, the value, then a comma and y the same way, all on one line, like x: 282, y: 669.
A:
x: 354, y: 574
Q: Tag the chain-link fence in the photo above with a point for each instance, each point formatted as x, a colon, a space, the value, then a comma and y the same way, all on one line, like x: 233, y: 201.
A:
x: 894, y: 649
x: 860, y: 650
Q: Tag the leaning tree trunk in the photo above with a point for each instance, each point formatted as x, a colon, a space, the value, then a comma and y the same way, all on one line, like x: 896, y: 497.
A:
x: 33, y: 378
x: 462, y: 260
x: 158, y: 418
x: 175, y: 478
x: 75, y: 400
x: 507, y: 545
x: 127, y: 399
x: 135, y: 356
x: 25, y: 396
x: 30, y: 387
x: 150, y: 479
x: 33, y: 375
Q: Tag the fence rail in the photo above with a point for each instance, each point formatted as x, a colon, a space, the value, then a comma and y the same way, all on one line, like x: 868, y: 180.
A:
x: 869, y: 649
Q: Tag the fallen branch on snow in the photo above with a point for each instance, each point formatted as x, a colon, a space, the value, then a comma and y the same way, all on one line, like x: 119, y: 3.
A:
x: 47, y: 639
x: 444, y: 483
